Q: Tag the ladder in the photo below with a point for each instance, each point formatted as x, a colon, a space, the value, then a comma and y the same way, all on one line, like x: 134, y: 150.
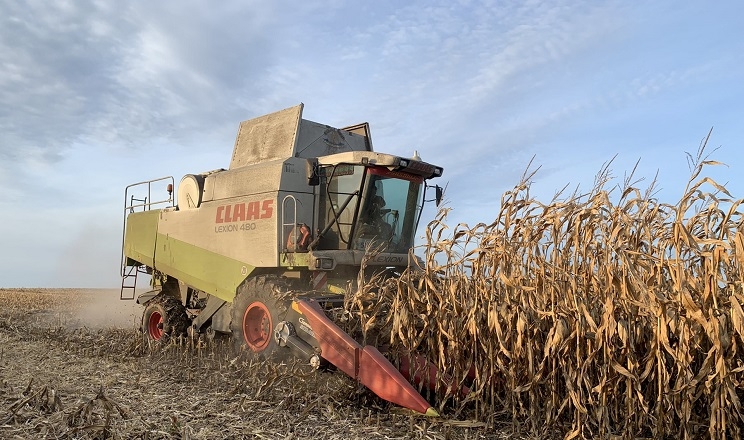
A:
x: 129, y: 281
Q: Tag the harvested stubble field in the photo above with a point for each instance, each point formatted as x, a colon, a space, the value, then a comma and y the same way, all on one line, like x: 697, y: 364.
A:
x: 74, y: 366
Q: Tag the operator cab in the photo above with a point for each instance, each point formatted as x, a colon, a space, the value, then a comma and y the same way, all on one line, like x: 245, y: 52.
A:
x: 371, y: 201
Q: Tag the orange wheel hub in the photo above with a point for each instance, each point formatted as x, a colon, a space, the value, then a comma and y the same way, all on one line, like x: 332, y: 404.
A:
x: 155, y: 326
x: 257, y: 326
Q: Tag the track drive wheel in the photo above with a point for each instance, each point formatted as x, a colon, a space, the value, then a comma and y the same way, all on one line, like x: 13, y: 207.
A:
x: 258, y: 307
x: 164, y: 319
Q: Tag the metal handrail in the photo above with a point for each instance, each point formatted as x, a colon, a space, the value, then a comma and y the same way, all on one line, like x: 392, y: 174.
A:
x: 145, y: 205
x: 293, y: 230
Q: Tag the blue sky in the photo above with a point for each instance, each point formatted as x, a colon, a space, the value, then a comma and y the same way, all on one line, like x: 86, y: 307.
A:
x: 96, y: 95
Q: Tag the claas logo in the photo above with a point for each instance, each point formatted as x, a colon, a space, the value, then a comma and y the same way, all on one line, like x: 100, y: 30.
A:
x: 241, y: 212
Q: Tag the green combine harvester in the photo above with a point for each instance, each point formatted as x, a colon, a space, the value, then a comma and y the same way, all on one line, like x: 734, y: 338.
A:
x: 262, y: 251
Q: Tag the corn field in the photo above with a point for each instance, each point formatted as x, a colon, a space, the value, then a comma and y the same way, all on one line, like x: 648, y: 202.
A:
x: 600, y: 315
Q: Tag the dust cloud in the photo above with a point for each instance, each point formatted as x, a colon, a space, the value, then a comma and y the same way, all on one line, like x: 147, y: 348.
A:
x: 103, y: 308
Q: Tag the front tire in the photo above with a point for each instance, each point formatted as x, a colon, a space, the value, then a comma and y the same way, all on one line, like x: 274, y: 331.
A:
x: 261, y: 303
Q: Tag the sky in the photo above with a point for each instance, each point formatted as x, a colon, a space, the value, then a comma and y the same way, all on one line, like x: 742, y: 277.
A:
x: 96, y: 95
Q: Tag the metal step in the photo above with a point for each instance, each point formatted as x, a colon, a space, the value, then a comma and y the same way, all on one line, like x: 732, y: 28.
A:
x: 129, y: 281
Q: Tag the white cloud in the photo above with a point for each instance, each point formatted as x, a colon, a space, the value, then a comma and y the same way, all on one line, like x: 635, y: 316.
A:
x: 95, y: 94
x: 88, y: 71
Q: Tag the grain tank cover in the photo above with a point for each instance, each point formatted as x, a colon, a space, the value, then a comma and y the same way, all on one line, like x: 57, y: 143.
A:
x: 285, y: 134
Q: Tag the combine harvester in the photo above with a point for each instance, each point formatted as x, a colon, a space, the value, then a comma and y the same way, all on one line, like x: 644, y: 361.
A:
x: 264, y: 250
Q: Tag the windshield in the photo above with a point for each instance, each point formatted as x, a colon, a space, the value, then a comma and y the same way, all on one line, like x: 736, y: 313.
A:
x: 388, y: 216
x: 369, y: 207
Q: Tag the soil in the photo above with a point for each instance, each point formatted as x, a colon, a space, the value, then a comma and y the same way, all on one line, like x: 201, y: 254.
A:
x: 73, y: 364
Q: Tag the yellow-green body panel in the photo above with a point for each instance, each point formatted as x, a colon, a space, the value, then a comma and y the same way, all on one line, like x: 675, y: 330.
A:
x: 199, y: 268
x: 141, y: 232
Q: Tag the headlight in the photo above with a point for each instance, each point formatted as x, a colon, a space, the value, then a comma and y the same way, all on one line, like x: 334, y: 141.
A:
x: 324, y: 263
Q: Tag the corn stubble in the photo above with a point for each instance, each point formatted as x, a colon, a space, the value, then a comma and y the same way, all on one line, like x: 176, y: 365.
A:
x: 598, y: 315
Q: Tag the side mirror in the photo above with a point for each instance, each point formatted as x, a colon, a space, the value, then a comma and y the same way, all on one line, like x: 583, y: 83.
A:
x: 311, y: 172
x: 439, y: 193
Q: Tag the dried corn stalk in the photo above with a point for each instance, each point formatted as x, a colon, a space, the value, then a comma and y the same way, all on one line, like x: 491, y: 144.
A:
x: 595, y: 315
